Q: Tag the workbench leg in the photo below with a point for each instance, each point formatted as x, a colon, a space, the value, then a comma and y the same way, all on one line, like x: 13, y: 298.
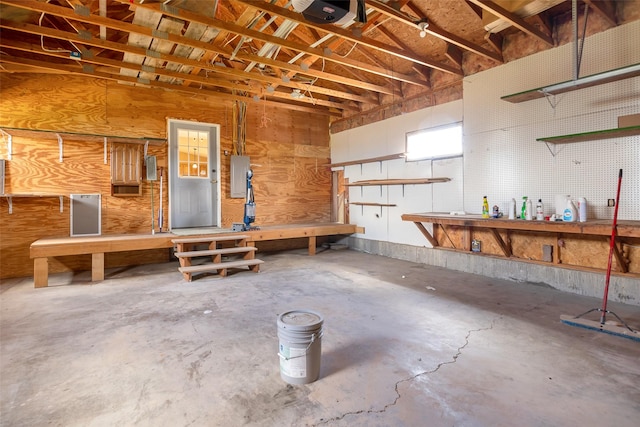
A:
x: 312, y: 245
x: 97, y: 267
x: 40, y: 272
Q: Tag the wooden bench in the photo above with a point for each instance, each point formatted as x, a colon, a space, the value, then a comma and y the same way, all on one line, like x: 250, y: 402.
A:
x: 96, y: 246
x: 185, y: 252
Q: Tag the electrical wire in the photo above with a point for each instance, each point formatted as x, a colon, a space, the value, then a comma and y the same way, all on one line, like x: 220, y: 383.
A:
x: 44, y: 49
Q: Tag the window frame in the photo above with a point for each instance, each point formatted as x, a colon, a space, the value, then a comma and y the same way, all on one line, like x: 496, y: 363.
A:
x: 434, y: 129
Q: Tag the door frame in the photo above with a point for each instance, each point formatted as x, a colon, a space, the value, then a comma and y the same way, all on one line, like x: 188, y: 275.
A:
x: 213, y: 147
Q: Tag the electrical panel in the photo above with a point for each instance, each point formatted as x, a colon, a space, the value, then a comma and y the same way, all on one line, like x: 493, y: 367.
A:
x: 239, y: 167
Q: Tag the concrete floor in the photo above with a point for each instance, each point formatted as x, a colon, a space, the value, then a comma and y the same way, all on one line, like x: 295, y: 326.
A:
x: 404, y: 345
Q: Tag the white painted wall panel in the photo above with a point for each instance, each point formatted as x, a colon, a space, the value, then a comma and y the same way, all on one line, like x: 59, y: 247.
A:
x: 504, y: 160
x: 388, y: 137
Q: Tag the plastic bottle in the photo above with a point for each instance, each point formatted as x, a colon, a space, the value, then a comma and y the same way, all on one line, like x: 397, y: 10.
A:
x: 512, y: 209
x: 523, y: 211
x: 582, y: 209
x: 528, y: 215
x: 570, y: 212
x: 561, y: 204
x: 485, y: 207
x: 539, y: 210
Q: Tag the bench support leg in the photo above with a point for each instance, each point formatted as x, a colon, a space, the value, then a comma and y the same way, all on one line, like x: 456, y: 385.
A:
x: 312, y: 245
x: 97, y: 267
x: 40, y: 272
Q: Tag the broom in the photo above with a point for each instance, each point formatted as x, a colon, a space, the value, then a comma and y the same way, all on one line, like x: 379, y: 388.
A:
x: 602, y: 326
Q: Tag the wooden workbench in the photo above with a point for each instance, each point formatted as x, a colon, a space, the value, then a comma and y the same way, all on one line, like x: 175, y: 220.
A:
x: 41, y: 250
x: 588, y: 238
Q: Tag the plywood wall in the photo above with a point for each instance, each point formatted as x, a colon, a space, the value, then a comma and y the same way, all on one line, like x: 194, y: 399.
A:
x: 288, y: 149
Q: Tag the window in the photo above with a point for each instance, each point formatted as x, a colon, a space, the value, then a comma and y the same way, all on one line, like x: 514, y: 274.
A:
x: 435, y: 143
x: 193, y: 147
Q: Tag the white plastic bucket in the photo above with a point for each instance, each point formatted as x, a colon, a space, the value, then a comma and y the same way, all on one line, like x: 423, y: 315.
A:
x: 300, y: 346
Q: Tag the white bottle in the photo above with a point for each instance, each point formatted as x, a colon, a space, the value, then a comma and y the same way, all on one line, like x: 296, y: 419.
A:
x: 582, y: 209
x: 570, y: 212
x: 561, y: 204
x: 539, y: 210
x: 529, y: 210
x: 512, y: 209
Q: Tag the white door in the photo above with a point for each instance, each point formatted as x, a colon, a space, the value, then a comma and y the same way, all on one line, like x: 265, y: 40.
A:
x: 194, y: 187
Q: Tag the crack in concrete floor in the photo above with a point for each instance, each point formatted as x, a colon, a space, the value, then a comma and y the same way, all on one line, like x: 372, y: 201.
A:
x: 453, y: 360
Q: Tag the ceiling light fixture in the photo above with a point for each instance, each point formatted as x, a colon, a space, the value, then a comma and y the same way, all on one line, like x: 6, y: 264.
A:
x: 423, y: 25
x: 296, y: 94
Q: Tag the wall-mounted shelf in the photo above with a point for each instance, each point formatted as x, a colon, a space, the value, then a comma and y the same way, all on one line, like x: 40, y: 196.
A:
x: 84, y: 137
x: 571, y: 85
x: 399, y: 181
x: 381, y: 205
x: 592, y: 136
x: 372, y: 204
x: 369, y: 160
x: 11, y: 196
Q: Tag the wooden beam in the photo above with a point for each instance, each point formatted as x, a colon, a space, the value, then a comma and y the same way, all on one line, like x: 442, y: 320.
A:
x: 131, y: 28
x: 114, y: 66
x: 604, y: 8
x: 454, y: 54
x: 433, y: 30
x: 89, y: 57
x: 506, y: 250
x: 494, y: 40
x: 476, y: 9
x: 426, y: 234
x: 267, y: 38
x: 623, y: 265
x: 514, y: 19
x: 349, y: 35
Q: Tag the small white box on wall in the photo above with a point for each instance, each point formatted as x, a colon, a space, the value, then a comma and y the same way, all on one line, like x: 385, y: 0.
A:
x: 86, y: 214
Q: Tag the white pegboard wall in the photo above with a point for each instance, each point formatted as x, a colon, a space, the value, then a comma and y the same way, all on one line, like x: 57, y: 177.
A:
x: 502, y: 158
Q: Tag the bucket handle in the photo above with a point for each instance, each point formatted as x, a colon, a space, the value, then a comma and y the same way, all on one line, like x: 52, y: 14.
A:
x: 313, y: 338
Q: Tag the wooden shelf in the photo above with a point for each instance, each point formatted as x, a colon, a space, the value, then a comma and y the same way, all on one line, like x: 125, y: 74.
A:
x: 11, y: 196
x: 369, y: 160
x: 592, y: 136
x: 500, y: 233
x: 126, y: 190
x: 84, y: 137
x: 571, y: 85
x: 371, y: 204
x: 400, y: 181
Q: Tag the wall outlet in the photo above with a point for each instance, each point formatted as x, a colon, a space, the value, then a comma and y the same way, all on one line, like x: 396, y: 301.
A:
x: 611, y: 202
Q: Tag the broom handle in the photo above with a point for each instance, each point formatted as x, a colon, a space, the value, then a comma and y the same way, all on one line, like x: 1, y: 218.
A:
x: 603, y: 312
